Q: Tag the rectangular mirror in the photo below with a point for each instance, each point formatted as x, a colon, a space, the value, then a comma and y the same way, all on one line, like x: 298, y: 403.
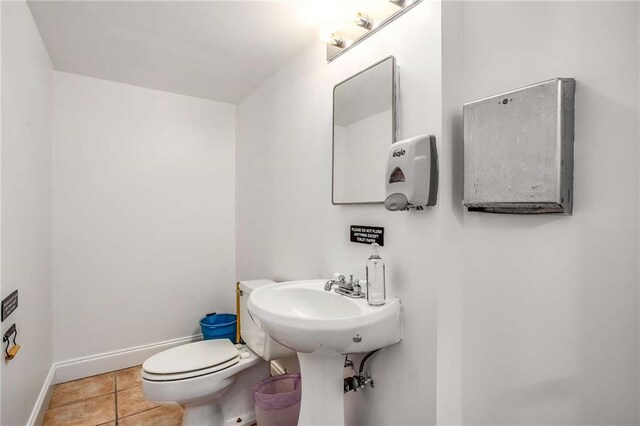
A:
x: 364, y: 126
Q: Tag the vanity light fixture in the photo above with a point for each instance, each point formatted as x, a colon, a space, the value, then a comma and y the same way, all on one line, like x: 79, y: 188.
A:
x: 354, y: 30
x: 363, y: 20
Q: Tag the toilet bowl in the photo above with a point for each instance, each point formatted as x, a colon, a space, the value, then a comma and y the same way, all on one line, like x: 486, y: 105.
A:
x: 212, y: 379
x: 214, y: 394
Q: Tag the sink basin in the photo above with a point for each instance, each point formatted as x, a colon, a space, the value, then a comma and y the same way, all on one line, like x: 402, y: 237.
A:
x: 304, y: 317
x: 322, y: 326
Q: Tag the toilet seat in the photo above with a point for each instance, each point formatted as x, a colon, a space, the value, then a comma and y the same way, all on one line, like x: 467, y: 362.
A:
x: 191, y: 360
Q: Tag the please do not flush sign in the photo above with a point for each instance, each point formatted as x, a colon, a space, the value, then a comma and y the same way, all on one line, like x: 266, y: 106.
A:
x: 367, y: 234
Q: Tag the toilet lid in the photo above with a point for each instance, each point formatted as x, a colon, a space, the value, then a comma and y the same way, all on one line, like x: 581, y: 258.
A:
x: 191, y: 357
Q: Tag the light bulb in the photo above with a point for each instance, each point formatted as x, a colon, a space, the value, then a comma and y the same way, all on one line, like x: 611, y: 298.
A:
x: 325, y: 36
x: 333, y: 39
x: 363, y: 20
x: 337, y: 41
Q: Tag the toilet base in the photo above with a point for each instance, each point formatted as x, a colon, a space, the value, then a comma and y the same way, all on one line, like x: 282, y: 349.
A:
x: 205, y: 414
x: 211, y: 415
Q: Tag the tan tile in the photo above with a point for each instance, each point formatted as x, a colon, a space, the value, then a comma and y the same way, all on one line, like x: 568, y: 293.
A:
x: 92, y: 411
x: 131, y: 401
x: 129, y: 378
x: 166, y: 415
x: 79, y: 390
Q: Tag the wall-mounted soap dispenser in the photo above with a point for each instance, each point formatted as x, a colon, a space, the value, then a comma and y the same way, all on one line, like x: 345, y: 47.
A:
x: 412, y: 174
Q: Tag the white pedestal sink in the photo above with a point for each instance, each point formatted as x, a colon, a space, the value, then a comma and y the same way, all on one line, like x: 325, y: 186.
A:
x: 322, y: 326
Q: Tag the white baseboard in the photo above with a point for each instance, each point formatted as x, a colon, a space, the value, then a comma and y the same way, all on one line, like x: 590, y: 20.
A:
x: 97, y: 364
x: 40, y: 407
x: 116, y: 360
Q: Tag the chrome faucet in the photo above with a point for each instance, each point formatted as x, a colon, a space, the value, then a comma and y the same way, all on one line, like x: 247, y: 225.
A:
x: 351, y: 289
x: 338, y: 280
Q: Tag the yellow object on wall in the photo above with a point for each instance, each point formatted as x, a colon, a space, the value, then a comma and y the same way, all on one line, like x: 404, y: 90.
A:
x: 12, y: 352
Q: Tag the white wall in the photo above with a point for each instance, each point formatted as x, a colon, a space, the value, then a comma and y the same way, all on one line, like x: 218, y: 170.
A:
x: 1, y: 116
x: 143, y: 213
x: 550, y: 304
x: 340, y: 162
x: 531, y: 319
x: 27, y: 84
x: 287, y: 227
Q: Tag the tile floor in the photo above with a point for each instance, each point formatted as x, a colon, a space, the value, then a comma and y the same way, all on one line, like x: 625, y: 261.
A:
x: 108, y: 399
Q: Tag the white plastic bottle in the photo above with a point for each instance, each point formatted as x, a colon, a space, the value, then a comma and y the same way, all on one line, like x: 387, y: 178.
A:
x: 376, y: 293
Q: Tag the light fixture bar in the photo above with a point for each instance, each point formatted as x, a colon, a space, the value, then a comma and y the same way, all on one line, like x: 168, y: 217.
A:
x: 399, y: 3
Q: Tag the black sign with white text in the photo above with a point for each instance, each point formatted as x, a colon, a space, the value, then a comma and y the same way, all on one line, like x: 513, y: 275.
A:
x: 367, y: 234
x: 9, y: 304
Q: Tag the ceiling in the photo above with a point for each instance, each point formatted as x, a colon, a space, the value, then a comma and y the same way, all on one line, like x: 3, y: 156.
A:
x: 218, y: 50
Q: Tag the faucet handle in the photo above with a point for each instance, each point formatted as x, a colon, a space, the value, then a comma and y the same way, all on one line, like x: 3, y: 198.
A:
x: 338, y: 277
x: 357, y: 287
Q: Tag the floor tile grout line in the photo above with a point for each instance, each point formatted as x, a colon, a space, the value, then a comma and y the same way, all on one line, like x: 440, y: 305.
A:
x: 130, y: 387
x: 79, y: 400
x: 143, y: 411
x: 82, y: 401
x: 49, y: 407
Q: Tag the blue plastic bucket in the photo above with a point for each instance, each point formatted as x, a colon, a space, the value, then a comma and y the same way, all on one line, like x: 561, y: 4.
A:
x: 219, y: 326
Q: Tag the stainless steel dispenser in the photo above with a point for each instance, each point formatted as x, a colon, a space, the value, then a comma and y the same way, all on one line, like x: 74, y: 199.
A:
x: 518, y: 150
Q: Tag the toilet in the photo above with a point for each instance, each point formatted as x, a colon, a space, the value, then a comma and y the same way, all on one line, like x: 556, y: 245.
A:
x: 212, y: 379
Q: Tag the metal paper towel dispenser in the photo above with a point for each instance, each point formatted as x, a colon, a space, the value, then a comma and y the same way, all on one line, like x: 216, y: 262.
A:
x: 518, y: 150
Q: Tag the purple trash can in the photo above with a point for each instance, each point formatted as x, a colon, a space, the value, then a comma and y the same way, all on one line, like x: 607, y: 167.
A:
x: 277, y: 400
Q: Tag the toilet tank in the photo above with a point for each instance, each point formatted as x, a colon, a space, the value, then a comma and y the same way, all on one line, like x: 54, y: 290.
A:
x: 256, y: 339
